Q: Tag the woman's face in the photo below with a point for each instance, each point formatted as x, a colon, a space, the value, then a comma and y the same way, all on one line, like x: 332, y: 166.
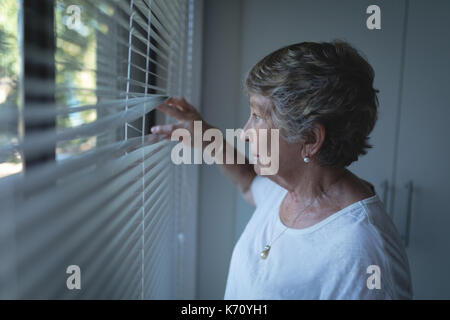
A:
x: 267, y: 148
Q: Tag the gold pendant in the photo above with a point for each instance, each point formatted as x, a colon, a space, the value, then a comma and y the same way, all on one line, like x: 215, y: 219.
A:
x: 265, y: 252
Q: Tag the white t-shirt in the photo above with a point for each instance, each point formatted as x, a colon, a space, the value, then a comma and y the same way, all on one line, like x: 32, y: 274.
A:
x: 328, y: 260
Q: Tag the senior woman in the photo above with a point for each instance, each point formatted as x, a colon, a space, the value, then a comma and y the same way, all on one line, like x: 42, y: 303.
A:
x: 318, y: 231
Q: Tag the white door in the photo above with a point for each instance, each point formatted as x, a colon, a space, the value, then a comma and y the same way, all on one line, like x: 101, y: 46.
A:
x: 424, y: 149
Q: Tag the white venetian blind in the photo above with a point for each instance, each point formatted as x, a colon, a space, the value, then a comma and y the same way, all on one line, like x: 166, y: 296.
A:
x: 97, y: 190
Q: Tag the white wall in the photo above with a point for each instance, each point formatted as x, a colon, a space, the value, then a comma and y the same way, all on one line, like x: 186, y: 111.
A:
x: 221, y: 71
x: 237, y: 34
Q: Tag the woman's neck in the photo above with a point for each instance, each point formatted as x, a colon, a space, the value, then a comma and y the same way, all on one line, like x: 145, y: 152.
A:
x: 314, y: 182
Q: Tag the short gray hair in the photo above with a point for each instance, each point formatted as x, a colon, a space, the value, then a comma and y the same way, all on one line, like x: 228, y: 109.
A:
x: 328, y: 83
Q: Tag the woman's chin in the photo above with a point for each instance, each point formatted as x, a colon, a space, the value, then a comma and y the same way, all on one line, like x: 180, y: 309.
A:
x: 269, y: 169
x: 257, y: 169
x: 258, y: 166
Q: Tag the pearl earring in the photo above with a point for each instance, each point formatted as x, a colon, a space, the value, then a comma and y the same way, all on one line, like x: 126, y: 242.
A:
x: 306, y: 159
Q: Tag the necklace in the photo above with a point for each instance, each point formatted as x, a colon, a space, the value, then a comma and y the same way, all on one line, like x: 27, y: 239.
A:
x: 267, y: 248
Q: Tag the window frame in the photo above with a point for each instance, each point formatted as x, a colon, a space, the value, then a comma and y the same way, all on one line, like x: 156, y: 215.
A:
x: 38, y: 34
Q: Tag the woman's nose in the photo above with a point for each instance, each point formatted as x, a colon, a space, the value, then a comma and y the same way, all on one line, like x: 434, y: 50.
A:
x: 244, y: 135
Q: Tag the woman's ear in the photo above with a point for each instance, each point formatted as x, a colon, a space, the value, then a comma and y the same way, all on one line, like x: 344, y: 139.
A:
x: 314, y: 141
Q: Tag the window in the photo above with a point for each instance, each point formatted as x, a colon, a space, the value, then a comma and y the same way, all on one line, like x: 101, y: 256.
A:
x: 88, y: 185
x: 10, y: 163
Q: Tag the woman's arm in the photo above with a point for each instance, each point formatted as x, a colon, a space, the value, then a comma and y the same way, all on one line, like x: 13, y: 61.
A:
x: 240, y: 174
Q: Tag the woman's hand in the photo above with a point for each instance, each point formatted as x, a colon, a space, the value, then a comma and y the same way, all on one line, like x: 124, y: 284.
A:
x: 240, y: 174
x: 184, y: 112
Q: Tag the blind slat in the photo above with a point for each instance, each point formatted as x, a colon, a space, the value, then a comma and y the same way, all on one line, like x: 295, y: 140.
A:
x: 39, y: 112
x: 55, y: 171
x: 77, y: 238
x: 112, y: 209
x: 161, y: 7
x: 152, y: 258
x: 30, y: 212
x: 41, y: 141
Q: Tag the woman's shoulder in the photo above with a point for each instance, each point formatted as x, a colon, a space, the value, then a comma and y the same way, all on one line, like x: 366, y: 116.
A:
x: 355, y: 189
x: 366, y: 233
x: 363, y: 227
x: 371, y: 239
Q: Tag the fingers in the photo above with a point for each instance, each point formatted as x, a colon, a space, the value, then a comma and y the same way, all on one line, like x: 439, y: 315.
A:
x: 178, y: 108
x: 171, y: 110
x: 178, y: 102
x: 162, y: 129
x: 165, y: 130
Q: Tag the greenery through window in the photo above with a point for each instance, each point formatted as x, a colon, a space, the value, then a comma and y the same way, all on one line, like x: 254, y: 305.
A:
x: 10, y: 70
